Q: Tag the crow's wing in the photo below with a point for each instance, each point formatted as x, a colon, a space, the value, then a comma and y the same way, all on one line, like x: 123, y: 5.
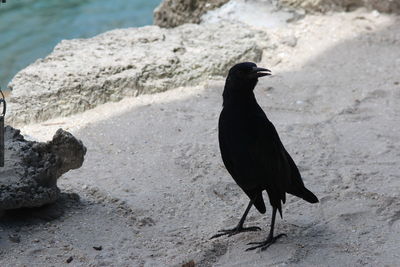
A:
x: 254, y: 156
x: 275, y: 170
x: 257, y: 160
x: 283, y: 174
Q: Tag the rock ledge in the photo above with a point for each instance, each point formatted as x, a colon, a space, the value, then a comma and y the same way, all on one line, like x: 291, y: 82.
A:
x: 83, y: 73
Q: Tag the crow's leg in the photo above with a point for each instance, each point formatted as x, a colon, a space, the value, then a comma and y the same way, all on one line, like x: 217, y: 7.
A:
x: 239, y: 228
x: 270, y: 239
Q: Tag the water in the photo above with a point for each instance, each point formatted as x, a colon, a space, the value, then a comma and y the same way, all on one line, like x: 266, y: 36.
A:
x: 29, y: 29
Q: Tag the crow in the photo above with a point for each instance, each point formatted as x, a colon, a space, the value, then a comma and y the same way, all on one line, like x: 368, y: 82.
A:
x: 253, y: 153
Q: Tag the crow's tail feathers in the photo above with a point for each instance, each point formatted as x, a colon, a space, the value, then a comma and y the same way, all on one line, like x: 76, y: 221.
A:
x: 259, y: 203
x: 305, y: 194
x: 309, y: 196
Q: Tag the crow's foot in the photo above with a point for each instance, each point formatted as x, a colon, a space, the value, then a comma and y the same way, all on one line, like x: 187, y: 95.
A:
x: 265, y: 244
x: 236, y: 230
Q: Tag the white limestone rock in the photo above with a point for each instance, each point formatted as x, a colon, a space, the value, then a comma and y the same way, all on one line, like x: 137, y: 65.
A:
x: 83, y: 73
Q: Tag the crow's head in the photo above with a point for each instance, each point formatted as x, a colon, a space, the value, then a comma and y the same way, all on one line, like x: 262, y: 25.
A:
x: 246, y: 74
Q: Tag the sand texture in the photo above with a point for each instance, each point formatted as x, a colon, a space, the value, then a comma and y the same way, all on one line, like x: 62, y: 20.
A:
x: 153, y: 188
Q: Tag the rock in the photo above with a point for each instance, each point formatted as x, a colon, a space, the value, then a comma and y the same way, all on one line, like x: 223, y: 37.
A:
x: 171, y: 13
x: 69, y: 259
x: 256, y: 13
x: 29, y: 177
x: 82, y: 73
x: 288, y: 39
x: 389, y: 6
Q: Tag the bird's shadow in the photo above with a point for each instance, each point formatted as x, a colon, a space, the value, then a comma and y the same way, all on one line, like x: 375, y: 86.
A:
x: 305, y: 239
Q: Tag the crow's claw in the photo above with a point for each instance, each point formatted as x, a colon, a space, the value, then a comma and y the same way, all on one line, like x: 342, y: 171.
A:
x: 265, y: 244
x: 236, y: 230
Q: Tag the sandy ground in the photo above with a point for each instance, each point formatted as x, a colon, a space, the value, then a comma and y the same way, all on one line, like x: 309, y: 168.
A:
x: 153, y: 188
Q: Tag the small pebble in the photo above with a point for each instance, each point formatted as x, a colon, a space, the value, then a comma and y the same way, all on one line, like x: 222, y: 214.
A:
x: 375, y: 13
x: 189, y: 264
x: 14, y: 238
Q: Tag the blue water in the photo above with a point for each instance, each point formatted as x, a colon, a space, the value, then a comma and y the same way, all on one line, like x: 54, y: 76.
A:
x: 29, y: 29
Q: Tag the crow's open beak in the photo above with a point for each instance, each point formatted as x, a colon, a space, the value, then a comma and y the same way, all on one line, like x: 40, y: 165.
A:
x: 259, y: 72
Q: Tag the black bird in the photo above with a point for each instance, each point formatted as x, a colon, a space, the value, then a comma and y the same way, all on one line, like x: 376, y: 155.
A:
x: 252, y: 152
